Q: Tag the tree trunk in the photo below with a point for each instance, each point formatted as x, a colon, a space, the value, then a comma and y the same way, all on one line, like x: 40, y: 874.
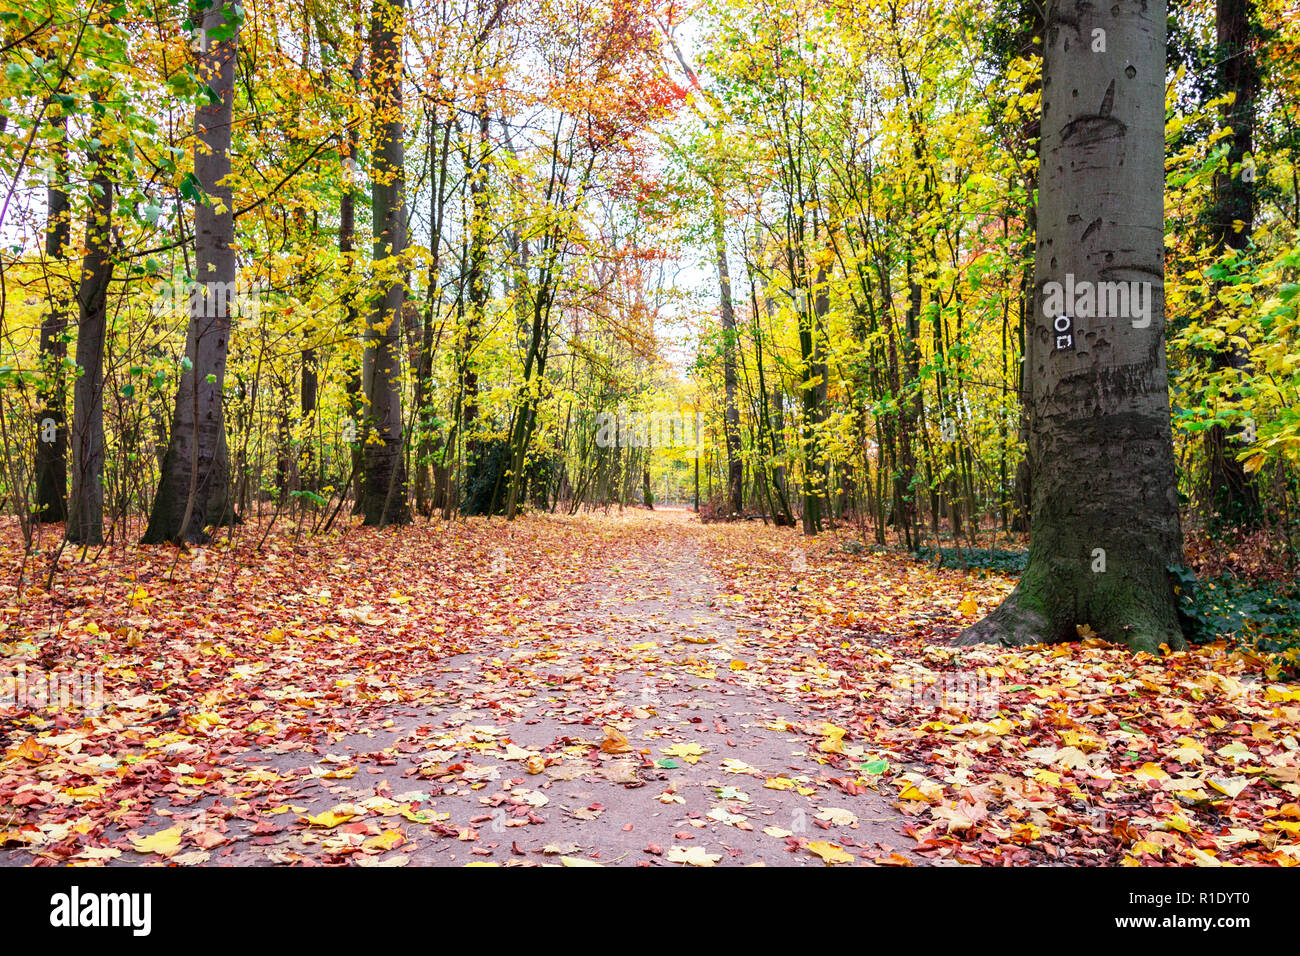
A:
x: 347, y: 245
x: 731, y: 413
x: 1104, y: 522
x: 51, y: 423
x: 477, y: 283
x: 1233, y: 494
x: 696, y: 493
x: 810, y: 405
x: 383, y: 491
x: 432, y: 449
x: 194, y: 491
x: 308, y: 394
x: 86, y: 509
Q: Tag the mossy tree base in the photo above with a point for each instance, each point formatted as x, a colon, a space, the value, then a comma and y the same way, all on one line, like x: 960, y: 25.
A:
x: 1124, y: 606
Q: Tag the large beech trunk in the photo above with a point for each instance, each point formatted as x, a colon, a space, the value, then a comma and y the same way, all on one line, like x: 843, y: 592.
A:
x: 1104, y: 521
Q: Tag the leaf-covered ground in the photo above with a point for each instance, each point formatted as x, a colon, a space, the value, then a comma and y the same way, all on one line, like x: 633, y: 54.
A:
x: 630, y: 690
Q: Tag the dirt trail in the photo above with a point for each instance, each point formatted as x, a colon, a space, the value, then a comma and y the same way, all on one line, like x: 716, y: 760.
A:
x: 653, y: 610
x: 646, y: 658
x: 497, y: 761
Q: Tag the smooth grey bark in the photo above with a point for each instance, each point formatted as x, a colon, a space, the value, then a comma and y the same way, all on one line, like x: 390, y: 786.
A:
x: 86, y: 507
x: 1100, y: 444
x: 383, y: 485
x: 194, y: 491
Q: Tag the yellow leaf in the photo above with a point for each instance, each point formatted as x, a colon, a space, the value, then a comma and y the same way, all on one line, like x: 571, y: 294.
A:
x: 1230, y: 786
x: 927, y: 791
x: 164, y: 842
x: 387, y: 840
x: 330, y: 818
x: 830, y: 853
x: 834, y: 742
x: 691, y: 753
x: 695, y: 856
x: 342, y: 773
x: 1047, y: 778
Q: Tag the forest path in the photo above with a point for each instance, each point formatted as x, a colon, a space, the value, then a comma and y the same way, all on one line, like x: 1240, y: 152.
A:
x: 575, y: 690
x: 650, y: 654
x: 706, y: 734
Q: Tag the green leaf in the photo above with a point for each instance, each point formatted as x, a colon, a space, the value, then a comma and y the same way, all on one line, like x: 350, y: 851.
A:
x: 191, y: 190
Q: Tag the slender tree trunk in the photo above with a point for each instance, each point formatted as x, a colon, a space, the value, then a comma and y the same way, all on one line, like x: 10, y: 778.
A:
x: 347, y: 246
x: 194, y: 491
x: 383, y: 493
x: 308, y: 393
x: 432, y: 477
x: 1233, y: 494
x: 768, y: 430
x: 477, y: 283
x: 352, y: 388
x: 51, y: 418
x: 1104, y: 524
x: 820, y: 371
x: 779, y: 483
x: 696, y: 487
x: 731, y: 412
x: 810, y: 405
x: 86, y: 509
x: 284, y: 457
